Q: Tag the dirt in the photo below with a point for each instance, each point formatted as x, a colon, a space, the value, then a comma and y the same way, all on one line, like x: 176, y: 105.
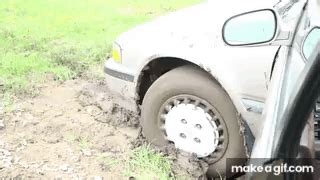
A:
x: 74, y: 130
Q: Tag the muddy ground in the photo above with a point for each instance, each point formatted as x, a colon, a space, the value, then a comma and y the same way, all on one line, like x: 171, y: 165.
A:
x: 73, y: 130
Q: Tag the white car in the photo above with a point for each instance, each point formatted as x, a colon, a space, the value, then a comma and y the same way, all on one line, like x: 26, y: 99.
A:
x: 194, y: 90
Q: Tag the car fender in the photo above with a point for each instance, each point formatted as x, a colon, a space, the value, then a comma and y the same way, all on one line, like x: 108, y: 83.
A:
x: 232, y: 69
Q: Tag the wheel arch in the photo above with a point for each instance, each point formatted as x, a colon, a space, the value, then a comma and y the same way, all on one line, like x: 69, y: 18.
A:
x: 158, y: 66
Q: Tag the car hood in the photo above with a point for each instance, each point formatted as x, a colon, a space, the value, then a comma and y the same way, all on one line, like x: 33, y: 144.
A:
x: 178, y: 26
x: 190, y: 26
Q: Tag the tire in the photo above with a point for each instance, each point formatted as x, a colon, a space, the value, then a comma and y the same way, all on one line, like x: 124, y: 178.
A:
x: 193, y: 81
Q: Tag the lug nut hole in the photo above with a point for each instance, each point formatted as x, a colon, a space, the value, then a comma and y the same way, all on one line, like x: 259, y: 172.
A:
x: 182, y: 135
x: 197, y: 140
x: 198, y: 126
x: 183, y: 121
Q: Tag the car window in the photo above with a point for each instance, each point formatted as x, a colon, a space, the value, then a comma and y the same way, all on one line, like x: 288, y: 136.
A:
x: 311, y: 42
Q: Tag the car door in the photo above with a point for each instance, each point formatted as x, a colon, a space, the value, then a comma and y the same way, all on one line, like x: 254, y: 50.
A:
x: 292, y: 153
x: 288, y: 69
x: 269, y: 143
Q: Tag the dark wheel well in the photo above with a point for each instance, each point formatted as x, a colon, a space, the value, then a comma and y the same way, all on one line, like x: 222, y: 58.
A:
x: 156, y: 68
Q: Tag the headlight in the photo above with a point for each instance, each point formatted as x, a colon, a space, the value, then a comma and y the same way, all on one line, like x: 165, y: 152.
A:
x: 116, y: 53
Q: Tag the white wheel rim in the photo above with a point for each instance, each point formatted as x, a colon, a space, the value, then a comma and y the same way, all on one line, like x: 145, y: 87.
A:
x: 192, y: 130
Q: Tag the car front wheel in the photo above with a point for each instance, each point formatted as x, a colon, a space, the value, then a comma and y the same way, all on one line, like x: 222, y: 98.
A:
x: 185, y: 106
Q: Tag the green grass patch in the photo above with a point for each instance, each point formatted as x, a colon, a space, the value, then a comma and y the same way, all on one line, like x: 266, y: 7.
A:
x: 146, y: 163
x: 64, y: 38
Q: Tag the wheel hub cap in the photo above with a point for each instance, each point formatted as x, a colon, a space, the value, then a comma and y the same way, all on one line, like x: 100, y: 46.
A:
x: 192, y: 129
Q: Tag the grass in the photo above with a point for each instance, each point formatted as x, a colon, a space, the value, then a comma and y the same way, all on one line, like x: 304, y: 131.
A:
x: 62, y: 39
x: 142, y: 163
x: 84, y: 143
x: 145, y: 163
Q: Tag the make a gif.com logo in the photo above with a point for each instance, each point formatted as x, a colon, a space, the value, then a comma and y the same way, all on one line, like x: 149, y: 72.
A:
x: 274, y: 169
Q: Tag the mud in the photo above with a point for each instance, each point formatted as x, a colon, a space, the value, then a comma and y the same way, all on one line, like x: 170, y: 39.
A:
x: 187, y: 165
x: 95, y: 99
x: 74, y: 130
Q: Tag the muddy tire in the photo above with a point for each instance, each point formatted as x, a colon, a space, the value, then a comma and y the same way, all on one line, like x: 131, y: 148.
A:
x: 193, y: 82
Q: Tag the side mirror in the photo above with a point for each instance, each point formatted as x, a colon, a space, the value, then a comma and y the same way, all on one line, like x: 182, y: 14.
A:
x: 310, y: 43
x: 255, y: 27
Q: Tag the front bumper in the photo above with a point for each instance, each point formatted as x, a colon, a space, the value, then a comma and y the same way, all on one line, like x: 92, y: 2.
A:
x: 121, y: 84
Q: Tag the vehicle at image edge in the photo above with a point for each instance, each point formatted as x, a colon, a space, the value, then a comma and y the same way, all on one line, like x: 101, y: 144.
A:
x: 287, y: 134
x: 192, y: 88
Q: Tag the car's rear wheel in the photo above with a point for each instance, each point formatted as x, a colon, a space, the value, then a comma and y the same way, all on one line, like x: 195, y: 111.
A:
x: 185, y: 106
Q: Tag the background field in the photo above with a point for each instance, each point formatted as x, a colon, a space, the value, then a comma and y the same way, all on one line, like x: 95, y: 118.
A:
x: 61, y: 39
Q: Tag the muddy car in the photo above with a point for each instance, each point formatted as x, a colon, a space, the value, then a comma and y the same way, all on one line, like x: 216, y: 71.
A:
x: 195, y: 88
